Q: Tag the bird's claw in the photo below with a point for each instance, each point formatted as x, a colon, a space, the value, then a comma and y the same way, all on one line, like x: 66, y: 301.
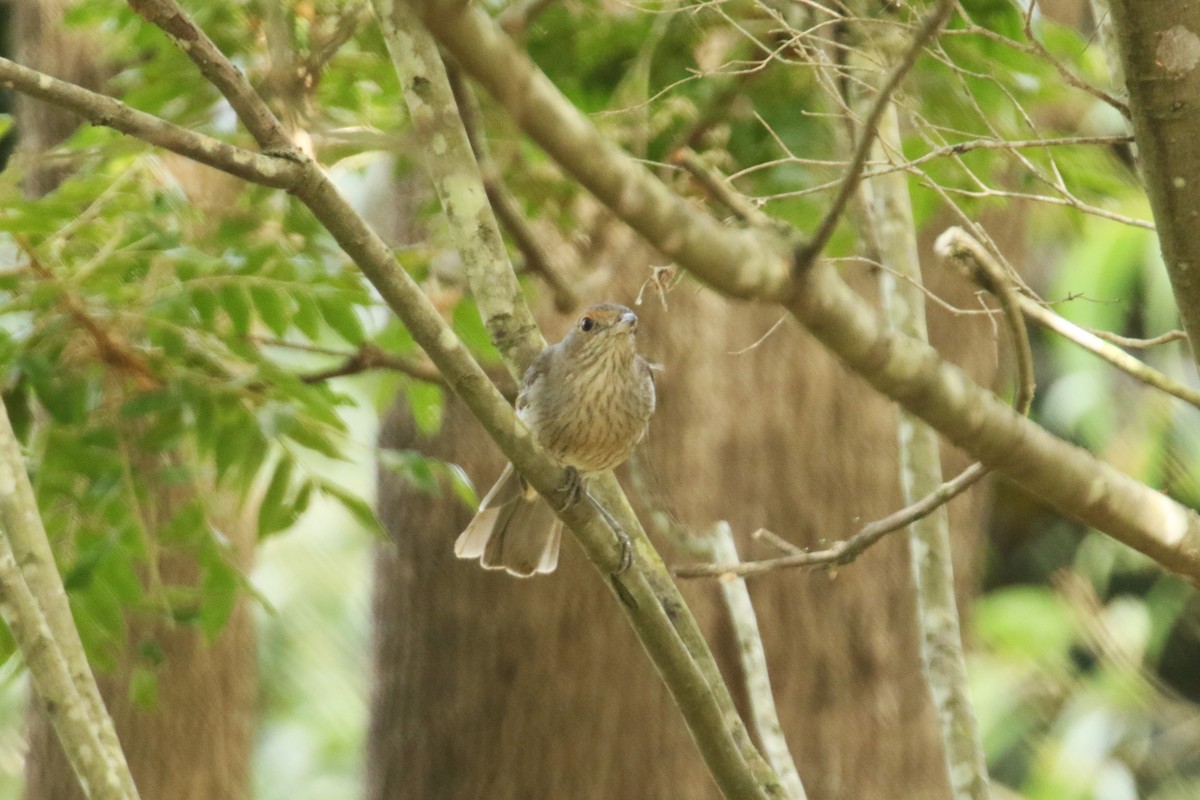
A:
x: 573, y: 487
x: 626, y: 560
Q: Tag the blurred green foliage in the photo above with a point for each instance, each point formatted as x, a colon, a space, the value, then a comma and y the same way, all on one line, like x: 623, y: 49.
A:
x: 157, y: 325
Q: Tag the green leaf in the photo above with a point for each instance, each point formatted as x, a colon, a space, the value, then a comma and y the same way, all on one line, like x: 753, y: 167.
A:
x: 429, y: 475
x: 411, y: 466
x: 143, y: 688
x: 307, y: 318
x: 470, y: 328
x: 314, y: 438
x: 8, y: 646
x: 237, y: 307
x: 205, y: 302
x: 272, y: 307
x: 149, y: 403
x: 221, y: 584
x: 425, y: 403
x: 358, y: 508
x: 273, y: 514
x: 341, y: 316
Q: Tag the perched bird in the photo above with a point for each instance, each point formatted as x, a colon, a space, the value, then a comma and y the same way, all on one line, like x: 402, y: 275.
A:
x: 587, y: 400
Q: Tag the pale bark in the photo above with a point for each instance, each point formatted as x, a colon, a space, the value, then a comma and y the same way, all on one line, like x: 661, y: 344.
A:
x: 451, y: 165
x: 890, y: 218
x: 33, y: 605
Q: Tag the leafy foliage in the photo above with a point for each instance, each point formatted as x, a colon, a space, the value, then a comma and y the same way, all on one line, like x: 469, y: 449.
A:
x: 154, y: 323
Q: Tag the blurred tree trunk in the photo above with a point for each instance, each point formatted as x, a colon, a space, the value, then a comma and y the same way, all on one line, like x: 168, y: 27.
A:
x: 487, y: 686
x: 196, y: 741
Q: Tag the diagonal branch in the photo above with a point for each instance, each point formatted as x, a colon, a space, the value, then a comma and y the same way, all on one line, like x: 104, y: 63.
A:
x: 752, y: 264
x: 219, y: 71
x: 646, y: 591
x: 846, y: 550
x: 810, y: 250
x: 268, y: 170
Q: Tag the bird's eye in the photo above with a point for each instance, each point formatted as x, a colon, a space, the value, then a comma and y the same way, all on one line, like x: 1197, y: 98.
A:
x: 586, y: 324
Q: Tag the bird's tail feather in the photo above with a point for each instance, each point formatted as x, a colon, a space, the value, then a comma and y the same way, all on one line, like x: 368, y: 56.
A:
x: 515, y: 530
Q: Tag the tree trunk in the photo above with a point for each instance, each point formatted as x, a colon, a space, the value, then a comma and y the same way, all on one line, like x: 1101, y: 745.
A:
x: 1159, y: 44
x: 195, y: 742
x: 487, y: 686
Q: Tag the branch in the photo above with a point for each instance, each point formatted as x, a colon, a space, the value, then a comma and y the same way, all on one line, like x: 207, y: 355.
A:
x: 370, y: 357
x: 752, y: 264
x: 34, y: 605
x: 890, y: 220
x: 268, y: 170
x: 1158, y: 43
x: 958, y: 244
x: 720, y: 188
x: 754, y: 664
x: 1139, y: 344
x: 538, y: 259
x: 808, y: 251
x: 847, y: 550
x: 451, y: 166
x: 169, y: 17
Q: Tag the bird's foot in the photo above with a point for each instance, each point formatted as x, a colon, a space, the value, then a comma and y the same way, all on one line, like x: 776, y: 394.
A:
x: 626, y: 559
x: 573, y: 487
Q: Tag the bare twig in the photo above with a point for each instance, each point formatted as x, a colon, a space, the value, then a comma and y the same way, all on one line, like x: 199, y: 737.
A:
x: 941, y: 151
x: 370, y: 357
x: 847, y: 550
x: 720, y: 188
x: 1139, y: 344
x: 809, y: 250
x: 956, y: 243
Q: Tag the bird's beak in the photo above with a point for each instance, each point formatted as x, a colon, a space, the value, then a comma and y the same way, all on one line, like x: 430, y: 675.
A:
x: 628, y: 321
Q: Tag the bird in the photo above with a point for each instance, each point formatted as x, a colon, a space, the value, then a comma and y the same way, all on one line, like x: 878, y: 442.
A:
x: 587, y: 400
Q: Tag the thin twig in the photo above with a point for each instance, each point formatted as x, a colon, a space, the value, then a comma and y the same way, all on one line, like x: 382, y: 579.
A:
x: 1138, y: 344
x: 721, y: 189
x: 942, y: 151
x: 847, y: 550
x: 110, y: 349
x: 370, y: 357
x: 958, y: 244
x: 808, y: 251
